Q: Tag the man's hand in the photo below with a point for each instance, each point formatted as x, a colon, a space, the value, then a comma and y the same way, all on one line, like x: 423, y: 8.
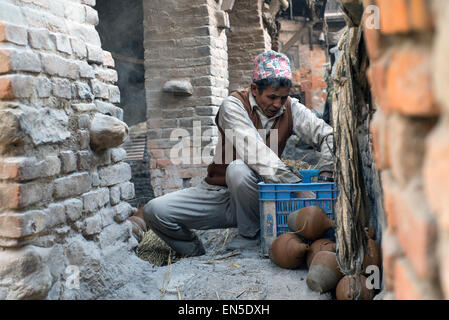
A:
x: 326, y: 176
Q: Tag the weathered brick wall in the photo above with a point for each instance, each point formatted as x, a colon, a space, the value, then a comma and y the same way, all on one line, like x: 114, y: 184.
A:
x: 61, y: 203
x: 183, y: 41
x: 246, y: 39
x: 409, y: 77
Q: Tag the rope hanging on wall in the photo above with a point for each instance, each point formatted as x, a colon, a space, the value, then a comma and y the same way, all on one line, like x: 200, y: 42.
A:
x: 352, y: 214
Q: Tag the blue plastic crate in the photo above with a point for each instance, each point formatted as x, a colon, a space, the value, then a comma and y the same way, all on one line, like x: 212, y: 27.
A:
x: 276, y: 201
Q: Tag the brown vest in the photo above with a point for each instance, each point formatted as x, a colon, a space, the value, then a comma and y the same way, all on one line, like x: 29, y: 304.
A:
x: 216, y: 173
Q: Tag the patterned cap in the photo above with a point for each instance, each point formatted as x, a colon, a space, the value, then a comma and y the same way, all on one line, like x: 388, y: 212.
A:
x: 271, y: 64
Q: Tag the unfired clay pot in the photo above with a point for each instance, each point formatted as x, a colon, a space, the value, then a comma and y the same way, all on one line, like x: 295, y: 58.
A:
x: 324, y: 272
x: 353, y: 287
x: 319, y: 245
x: 139, y: 221
x: 288, y: 251
x: 310, y: 222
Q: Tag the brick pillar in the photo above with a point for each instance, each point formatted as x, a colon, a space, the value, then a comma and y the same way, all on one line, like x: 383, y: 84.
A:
x: 246, y: 39
x: 410, y: 140
x: 183, y: 42
x: 55, y: 190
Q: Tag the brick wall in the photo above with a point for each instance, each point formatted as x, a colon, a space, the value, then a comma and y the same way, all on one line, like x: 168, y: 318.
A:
x: 408, y: 75
x: 61, y: 202
x: 246, y: 39
x: 183, y: 41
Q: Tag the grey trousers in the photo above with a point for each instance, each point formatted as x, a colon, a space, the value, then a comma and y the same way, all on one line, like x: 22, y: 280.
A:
x: 203, y: 207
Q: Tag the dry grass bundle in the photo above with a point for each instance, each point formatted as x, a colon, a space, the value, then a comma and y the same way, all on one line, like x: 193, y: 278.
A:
x: 154, y: 250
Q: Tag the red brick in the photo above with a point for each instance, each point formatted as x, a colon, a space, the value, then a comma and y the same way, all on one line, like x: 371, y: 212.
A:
x: 9, y: 195
x: 373, y: 37
x: 2, y: 32
x: 436, y: 173
x: 391, y: 251
x: 416, y: 232
x: 6, y: 90
x: 5, y: 61
x: 377, y: 77
x: 393, y: 16
x: 18, y: 225
x: 390, y: 190
x: 420, y: 15
x: 379, y: 133
x: 444, y: 262
x: 406, y: 286
x: 409, y: 84
x: 407, y: 148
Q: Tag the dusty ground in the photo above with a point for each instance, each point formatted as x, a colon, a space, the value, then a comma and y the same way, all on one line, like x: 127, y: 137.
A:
x: 245, y: 276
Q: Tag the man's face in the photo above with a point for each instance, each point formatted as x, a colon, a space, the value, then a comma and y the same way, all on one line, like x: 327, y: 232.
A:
x: 270, y: 100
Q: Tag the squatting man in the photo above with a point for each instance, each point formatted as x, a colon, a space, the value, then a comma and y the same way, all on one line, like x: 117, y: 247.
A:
x: 228, y: 196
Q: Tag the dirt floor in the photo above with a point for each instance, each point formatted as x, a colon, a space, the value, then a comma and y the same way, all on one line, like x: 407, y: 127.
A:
x: 241, y: 275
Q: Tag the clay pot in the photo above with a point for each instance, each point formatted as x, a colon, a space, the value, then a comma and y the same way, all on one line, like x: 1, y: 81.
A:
x: 320, y: 245
x: 139, y: 221
x: 288, y: 251
x: 372, y: 255
x: 310, y: 222
x: 324, y: 273
x: 353, y: 288
x: 137, y: 231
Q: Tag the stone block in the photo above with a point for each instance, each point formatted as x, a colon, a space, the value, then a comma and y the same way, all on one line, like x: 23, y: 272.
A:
x: 84, y: 107
x: 95, y: 200
x: 44, y: 87
x: 62, y: 42
x: 107, y: 216
x: 44, y: 125
x: 13, y: 33
x: 114, y: 194
x: 114, y: 94
x: 99, y: 89
x: 107, y: 75
x: 91, y: 16
x: 15, y: 195
x: 40, y: 39
x: 108, y: 61
x: 85, y: 160
x: 79, y: 48
x: 109, y: 109
x: 122, y: 211
x: 56, y: 66
x: 19, y: 60
x: 84, y: 121
x: 73, y: 209
x: 68, y: 161
x: 94, y: 54
x: 95, y: 179
x: 62, y: 88
x: 118, y: 154
x: 92, y: 225
x: 55, y: 214
x: 19, y: 225
x: 178, y: 87
x: 114, y: 174
x: 127, y: 191
x: 73, y: 185
x: 107, y: 132
x: 83, y: 91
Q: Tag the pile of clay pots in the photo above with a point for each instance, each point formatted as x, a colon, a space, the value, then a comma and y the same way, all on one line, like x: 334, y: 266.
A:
x: 305, y: 244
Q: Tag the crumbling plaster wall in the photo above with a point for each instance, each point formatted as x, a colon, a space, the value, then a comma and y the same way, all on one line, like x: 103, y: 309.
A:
x: 61, y: 202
